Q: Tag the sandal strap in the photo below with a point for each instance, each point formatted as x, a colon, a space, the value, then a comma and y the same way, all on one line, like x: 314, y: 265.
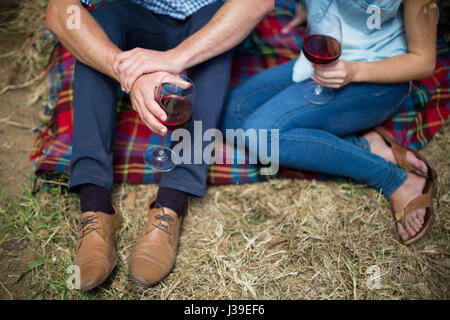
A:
x: 400, y: 157
x: 398, y: 150
x: 422, y: 201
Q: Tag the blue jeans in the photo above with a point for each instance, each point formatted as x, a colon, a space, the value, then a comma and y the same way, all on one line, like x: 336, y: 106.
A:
x: 129, y: 25
x: 320, y: 138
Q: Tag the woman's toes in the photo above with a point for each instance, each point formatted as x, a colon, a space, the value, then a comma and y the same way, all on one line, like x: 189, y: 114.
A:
x: 418, y: 224
x: 412, y: 225
x: 414, y: 222
x: 420, y: 214
x: 409, y: 229
x: 420, y: 166
x: 402, y: 232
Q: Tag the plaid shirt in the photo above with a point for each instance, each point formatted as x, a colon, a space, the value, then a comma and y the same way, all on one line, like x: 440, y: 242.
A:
x: 178, y: 9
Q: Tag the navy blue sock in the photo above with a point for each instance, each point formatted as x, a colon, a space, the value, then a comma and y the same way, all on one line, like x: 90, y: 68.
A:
x: 95, y: 198
x: 173, y: 199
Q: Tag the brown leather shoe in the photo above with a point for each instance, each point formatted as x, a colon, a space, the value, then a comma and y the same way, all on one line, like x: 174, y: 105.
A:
x: 154, y: 255
x: 96, y: 248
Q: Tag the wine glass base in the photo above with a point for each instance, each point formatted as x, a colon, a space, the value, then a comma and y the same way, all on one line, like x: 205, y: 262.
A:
x: 159, y: 158
x: 317, y: 94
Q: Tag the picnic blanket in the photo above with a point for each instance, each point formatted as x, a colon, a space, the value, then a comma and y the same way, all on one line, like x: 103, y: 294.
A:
x: 420, y: 117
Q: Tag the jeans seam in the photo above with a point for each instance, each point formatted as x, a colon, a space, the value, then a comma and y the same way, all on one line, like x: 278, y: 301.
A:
x: 289, y: 115
x: 396, y: 173
x: 325, y: 143
x: 241, y: 101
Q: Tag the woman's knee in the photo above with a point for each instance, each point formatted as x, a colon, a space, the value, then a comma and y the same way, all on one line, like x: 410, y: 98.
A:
x: 233, y: 115
x: 258, y: 121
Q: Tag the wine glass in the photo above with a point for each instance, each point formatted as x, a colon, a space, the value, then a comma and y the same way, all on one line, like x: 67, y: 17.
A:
x: 173, y: 94
x: 322, y: 45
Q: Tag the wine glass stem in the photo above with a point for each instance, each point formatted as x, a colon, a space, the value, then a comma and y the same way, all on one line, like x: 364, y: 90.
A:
x: 163, y: 144
x: 317, y: 89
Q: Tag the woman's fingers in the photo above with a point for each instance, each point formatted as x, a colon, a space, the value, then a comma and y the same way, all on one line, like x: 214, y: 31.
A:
x: 327, y: 83
x: 330, y: 74
x: 291, y: 25
x: 299, y: 18
x: 329, y: 80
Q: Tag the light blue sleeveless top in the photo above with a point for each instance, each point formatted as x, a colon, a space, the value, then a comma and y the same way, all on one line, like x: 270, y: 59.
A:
x: 371, y: 30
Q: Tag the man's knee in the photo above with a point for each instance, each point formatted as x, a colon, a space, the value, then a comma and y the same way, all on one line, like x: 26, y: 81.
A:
x: 203, y: 16
x: 111, y: 22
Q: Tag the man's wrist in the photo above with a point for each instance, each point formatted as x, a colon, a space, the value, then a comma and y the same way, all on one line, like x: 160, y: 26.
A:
x: 114, y: 52
x: 177, y: 59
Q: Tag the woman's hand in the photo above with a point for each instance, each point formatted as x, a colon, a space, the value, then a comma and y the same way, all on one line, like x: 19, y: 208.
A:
x: 335, y: 75
x: 299, y: 18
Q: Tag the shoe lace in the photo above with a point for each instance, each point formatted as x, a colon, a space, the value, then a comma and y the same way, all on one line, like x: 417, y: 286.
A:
x: 87, y: 224
x: 163, y: 217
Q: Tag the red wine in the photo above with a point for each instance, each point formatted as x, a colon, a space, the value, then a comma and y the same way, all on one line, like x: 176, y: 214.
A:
x: 178, y: 111
x: 321, y: 49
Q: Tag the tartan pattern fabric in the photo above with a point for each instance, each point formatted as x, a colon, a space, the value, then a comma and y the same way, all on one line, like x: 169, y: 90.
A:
x: 178, y: 9
x: 421, y: 116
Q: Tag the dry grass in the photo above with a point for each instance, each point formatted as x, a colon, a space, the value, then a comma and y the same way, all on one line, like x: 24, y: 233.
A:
x: 281, y: 239
x: 24, y: 20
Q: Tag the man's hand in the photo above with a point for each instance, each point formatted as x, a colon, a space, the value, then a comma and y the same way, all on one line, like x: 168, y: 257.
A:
x: 335, y: 75
x: 143, y: 101
x: 132, y: 64
x: 227, y: 28
x: 143, y: 98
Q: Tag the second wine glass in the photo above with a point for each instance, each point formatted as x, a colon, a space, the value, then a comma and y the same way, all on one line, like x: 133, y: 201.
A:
x: 173, y: 94
x: 322, y: 45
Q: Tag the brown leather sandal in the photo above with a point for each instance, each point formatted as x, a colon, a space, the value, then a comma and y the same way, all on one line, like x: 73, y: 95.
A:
x: 400, y: 152
x: 423, y: 201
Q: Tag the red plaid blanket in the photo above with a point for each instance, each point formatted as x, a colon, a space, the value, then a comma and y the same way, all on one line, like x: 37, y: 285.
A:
x: 421, y: 116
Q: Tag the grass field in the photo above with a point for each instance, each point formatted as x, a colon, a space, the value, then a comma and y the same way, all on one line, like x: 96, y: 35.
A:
x: 281, y: 239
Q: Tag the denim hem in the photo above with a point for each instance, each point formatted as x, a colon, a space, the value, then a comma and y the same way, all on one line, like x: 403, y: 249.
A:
x: 399, y: 177
x: 252, y: 93
x: 364, y: 143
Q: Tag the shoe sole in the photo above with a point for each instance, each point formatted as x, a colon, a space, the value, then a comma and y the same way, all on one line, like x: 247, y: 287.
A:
x: 142, y: 283
x: 102, y: 281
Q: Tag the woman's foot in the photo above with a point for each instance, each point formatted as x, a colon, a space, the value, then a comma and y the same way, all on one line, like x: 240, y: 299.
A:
x: 409, y: 190
x: 411, y: 224
x: 379, y: 147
